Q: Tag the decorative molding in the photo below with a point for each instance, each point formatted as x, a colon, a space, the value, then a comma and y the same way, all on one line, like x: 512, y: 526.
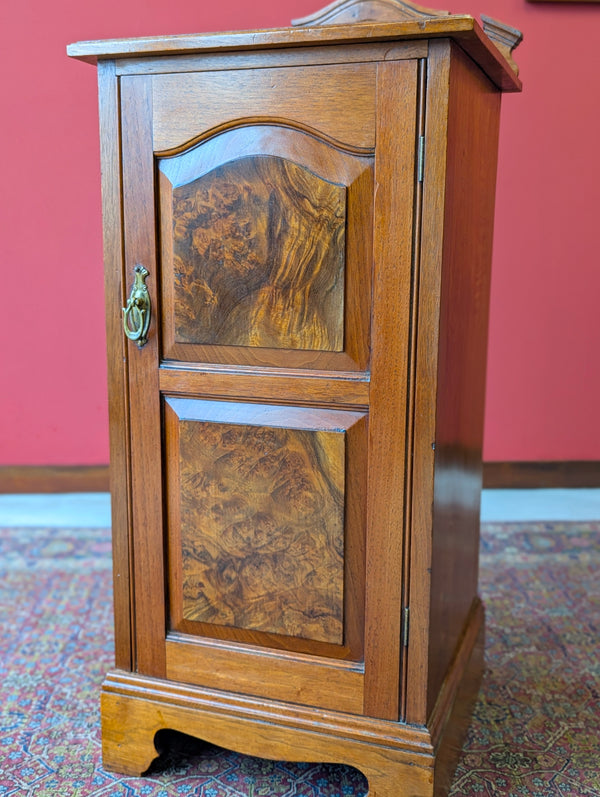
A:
x: 345, y: 12
x: 348, y: 12
x: 505, y: 37
x: 54, y: 479
x: 535, y: 475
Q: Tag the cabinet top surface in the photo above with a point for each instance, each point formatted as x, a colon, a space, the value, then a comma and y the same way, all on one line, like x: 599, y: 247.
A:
x: 463, y: 29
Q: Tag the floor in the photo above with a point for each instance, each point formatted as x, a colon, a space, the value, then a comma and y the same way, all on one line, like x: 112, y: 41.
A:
x: 92, y: 510
x: 524, y: 505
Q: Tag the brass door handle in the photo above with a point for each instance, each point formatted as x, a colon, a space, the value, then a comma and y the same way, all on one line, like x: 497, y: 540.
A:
x: 136, y: 316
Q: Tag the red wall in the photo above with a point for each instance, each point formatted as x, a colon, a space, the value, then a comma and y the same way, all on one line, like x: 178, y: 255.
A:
x: 543, y: 377
x: 543, y: 382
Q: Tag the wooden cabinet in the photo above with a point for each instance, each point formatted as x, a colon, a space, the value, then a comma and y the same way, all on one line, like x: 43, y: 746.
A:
x: 298, y: 226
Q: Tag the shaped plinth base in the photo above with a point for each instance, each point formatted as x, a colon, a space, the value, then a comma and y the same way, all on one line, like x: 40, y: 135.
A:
x: 398, y: 760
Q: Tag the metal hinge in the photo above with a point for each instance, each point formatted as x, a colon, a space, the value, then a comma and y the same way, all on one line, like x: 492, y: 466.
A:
x: 421, y: 159
x: 405, y: 624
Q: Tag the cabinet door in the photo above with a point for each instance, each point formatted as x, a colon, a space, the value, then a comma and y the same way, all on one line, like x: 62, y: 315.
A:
x: 267, y: 410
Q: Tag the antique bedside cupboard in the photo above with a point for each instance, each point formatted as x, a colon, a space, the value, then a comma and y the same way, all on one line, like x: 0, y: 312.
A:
x: 298, y: 232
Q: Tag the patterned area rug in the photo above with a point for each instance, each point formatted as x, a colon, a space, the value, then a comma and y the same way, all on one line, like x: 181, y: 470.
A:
x: 536, y: 729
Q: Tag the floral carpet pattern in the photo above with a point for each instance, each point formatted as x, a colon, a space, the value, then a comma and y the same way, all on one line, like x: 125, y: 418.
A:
x: 536, y: 729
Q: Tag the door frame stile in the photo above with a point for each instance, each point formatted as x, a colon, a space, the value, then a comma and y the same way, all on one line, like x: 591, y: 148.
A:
x: 393, y: 254
x: 144, y: 391
x: 411, y: 378
x: 426, y: 365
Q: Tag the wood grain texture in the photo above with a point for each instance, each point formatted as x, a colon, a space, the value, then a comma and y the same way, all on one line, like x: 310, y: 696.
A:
x: 398, y: 760
x: 350, y: 425
x: 54, y: 479
x: 304, y: 56
x: 468, y: 655
x: 425, y: 378
x: 274, y: 674
x: 117, y: 356
x: 393, y: 256
x: 411, y: 391
x: 464, y: 29
x: 259, y: 255
x: 188, y: 105
x: 146, y: 505
x: 267, y: 384
x: 454, y: 708
x: 342, y: 12
x: 472, y: 135
x: 262, y: 529
x: 261, y: 510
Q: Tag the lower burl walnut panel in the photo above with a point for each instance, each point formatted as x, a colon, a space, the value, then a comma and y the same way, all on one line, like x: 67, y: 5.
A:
x: 262, y: 528
x: 262, y: 533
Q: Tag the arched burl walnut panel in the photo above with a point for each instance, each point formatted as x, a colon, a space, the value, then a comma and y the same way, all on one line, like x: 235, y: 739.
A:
x: 265, y: 246
x: 259, y: 256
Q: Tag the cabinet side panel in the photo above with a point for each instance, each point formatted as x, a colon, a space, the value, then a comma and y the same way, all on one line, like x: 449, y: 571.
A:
x: 472, y: 144
x: 108, y: 90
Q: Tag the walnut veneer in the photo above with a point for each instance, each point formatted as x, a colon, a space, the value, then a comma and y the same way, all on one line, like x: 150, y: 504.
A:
x: 296, y: 438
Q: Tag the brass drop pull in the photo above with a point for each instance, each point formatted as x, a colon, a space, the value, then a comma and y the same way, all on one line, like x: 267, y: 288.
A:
x: 136, y: 316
